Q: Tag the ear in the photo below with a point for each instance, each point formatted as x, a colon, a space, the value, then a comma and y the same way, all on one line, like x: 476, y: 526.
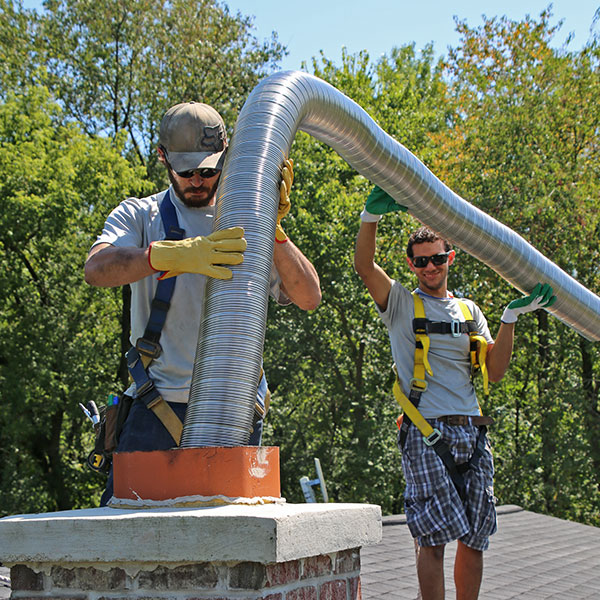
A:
x: 451, y: 257
x: 161, y: 155
x: 410, y: 265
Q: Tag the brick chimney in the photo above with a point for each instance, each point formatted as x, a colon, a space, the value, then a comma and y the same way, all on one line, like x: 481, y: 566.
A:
x: 247, y: 547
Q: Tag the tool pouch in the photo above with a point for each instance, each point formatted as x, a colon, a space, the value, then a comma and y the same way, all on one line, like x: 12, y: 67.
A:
x: 112, y: 419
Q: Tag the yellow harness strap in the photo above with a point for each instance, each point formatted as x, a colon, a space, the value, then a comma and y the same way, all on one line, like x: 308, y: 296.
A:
x: 169, y: 419
x: 410, y: 410
x: 477, y: 358
x: 422, y: 347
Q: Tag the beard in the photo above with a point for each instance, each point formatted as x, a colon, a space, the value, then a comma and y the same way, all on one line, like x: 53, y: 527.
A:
x: 194, y: 197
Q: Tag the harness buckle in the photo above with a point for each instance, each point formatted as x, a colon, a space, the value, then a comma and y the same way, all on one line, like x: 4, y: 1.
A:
x: 419, y: 385
x: 455, y: 328
x: 148, y: 348
x: 148, y: 394
x: 132, y: 357
x: 434, y: 437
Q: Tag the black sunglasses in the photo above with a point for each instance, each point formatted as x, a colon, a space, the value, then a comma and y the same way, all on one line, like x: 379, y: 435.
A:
x: 437, y: 259
x: 204, y: 173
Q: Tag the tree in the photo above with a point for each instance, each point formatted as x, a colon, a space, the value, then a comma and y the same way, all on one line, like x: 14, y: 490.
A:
x: 58, y: 337
x: 18, y: 57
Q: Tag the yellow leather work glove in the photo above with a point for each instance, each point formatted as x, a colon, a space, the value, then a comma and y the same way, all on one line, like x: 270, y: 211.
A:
x: 285, y: 187
x: 199, y: 254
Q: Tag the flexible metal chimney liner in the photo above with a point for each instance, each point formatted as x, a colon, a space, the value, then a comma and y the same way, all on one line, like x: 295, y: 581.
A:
x: 227, y: 365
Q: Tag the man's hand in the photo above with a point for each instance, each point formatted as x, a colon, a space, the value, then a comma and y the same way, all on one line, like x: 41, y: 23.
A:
x: 285, y: 187
x: 379, y: 203
x: 541, y: 297
x: 199, y: 254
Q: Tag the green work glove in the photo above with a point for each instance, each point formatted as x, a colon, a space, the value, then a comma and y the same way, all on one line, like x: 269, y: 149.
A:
x: 541, y: 297
x: 199, y: 254
x: 285, y: 187
x: 379, y: 203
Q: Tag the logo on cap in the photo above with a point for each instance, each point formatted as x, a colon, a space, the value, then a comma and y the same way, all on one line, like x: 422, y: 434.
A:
x: 213, y: 137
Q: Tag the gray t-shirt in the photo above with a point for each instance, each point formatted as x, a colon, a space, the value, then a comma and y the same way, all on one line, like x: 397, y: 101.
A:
x: 135, y: 223
x: 449, y: 391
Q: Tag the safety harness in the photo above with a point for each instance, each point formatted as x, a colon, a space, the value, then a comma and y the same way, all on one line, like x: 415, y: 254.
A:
x: 147, y: 347
x: 432, y: 437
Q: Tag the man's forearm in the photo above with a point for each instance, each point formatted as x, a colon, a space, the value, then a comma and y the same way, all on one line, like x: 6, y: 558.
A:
x: 299, y: 278
x: 499, y: 355
x: 364, y: 253
x: 374, y: 277
x: 110, y: 266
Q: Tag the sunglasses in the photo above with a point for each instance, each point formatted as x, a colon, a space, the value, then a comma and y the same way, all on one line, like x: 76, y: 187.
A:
x: 204, y: 173
x: 421, y: 262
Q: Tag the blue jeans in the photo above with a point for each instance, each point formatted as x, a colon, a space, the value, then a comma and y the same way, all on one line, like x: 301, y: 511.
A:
x: 143, y: 431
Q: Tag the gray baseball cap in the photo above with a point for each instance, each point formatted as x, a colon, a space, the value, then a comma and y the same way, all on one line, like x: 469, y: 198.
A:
x: 193, y: 134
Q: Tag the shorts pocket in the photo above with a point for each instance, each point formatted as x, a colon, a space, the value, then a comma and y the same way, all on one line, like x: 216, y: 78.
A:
x: 426, y: 492
x: 423, y: 516
x: 483, y: 521
x: 423, y: 470
x: 482, y: 503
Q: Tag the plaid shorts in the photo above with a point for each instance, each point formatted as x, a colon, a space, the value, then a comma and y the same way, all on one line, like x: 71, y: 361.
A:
x: 434, y: 511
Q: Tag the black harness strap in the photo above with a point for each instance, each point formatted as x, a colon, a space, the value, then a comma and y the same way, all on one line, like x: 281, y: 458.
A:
x: 165, y: 287
x: 455, y: 471
x: 147, y: 347
x: 454, y: 328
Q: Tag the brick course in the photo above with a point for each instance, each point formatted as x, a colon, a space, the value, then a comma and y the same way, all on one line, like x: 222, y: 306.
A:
x: 24, y: 578
x: 332, y: 576
x: 88, y: 578
x: 334, y: 590
x: 305, y: 593
x: 248, y: 576
x: 317, y: 566
x: 347, y: 561
x: 194, y: 576
x: 279, y: 573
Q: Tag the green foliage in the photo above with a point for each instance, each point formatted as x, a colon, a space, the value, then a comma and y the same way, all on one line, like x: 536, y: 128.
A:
x: 58, y: 336
x: 18, y: 61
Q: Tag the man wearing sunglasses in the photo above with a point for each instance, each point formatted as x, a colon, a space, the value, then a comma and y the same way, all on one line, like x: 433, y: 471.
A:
x: 439, y: 511
x: 138, y: 247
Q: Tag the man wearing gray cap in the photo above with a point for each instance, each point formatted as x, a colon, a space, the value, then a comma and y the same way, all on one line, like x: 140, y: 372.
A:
x: 151, y: 243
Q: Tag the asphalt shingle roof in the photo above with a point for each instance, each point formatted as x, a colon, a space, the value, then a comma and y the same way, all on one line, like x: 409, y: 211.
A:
x: 532, y: 556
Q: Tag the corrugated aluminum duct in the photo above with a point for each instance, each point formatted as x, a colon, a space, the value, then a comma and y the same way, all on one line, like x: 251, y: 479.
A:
x: 228, y: 358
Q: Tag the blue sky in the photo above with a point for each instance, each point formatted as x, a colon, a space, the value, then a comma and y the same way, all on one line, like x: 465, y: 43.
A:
x: 308, y: 26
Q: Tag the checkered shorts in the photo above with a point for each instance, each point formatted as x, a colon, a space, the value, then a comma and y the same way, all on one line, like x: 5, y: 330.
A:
x: 434, y: 511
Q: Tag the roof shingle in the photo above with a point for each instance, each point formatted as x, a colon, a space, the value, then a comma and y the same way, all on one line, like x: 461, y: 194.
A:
x: 531, y: 556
